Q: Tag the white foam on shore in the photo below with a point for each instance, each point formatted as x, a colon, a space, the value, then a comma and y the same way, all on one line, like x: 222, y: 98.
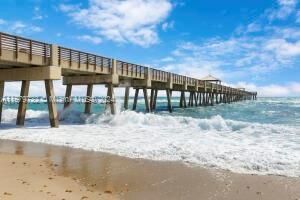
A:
x: 226, y: 144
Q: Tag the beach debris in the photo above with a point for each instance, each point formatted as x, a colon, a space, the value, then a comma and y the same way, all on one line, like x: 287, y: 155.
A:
x: 84, y: 197
x: 69, y: 191
x: 108, y: 192
x: 7, y: 193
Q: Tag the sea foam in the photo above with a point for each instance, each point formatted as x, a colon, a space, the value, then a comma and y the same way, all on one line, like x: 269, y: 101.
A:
x: 237, y: 146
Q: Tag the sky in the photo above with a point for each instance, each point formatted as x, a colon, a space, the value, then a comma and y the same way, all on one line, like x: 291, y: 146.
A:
x: 251, y: 43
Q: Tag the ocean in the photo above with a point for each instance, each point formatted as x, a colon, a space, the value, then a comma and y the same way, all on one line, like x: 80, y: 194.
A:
x: 253, y: 137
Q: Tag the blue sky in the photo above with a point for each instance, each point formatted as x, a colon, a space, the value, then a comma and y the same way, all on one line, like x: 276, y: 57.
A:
x: 250, y: 43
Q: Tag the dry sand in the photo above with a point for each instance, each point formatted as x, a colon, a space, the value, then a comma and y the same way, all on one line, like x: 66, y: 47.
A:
x: 39, y: 171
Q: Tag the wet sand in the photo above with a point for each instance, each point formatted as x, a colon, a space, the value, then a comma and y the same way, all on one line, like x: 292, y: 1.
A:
x: 88, y: 174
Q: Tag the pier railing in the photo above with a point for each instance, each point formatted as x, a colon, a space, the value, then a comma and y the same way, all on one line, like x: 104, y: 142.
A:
x: 159, y: 75
x: 178, y: 79
x: 130, y: 70
x: 71, y: 58
x: 24, y: 50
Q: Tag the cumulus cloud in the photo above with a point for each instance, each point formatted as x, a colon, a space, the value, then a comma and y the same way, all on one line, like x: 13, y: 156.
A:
x: 133, y: 21
x: 89, y: 38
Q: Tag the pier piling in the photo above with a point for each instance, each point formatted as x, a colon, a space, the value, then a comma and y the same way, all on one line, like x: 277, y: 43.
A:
x: 2, y: 84
x: 88, y: 103
x: 169, y: 96
x: 111, y: 98
x: 136, y: 96
x: 126, y: 98
x: 145, y: 91
x: 53, y: 116
x: 68, y: 96
x: 23, y: 103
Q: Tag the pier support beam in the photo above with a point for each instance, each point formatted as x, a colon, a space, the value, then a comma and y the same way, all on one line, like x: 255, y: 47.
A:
x: 53, y: 116
x: 169, y: 95
x: 68, y: 96
x: 126, y: 98
x: 145, y: 91
x: 23, y: 103
x: 136, y: 96
x: 1, y: 98
x: 111, y: 95
x: 88, y: 103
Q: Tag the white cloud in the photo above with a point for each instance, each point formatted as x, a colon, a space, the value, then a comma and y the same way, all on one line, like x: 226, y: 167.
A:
x: 167, y: 25
x: 91, y: 39
x: 298, y: 17
x: 283, y: 48
x: 133, y: 21
x: 38, y: 14
x: 286, y: 8
x: 252, y: 52
x: 232, y: 58
x: 167, y: 59
x: 2, y: 21
x: 253, y: 27
x: 272, y: 90
x: 19, y: 27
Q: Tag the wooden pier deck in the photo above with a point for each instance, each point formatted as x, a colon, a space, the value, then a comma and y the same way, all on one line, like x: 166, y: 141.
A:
x: 27, y: 60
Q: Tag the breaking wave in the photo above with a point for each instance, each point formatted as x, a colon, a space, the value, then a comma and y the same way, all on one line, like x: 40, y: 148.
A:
x: 241, y: 147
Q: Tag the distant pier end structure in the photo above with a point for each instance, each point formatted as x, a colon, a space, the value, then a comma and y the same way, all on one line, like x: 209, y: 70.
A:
x: 27, y: 60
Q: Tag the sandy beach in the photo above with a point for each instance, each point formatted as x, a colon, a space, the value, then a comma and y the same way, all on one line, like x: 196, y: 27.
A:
x: 53, y: 172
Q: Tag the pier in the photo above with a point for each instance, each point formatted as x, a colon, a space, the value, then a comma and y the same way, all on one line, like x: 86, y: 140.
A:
x: 27, y: 60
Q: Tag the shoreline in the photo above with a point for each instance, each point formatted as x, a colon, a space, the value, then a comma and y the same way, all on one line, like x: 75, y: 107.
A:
x: 144, y: 179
